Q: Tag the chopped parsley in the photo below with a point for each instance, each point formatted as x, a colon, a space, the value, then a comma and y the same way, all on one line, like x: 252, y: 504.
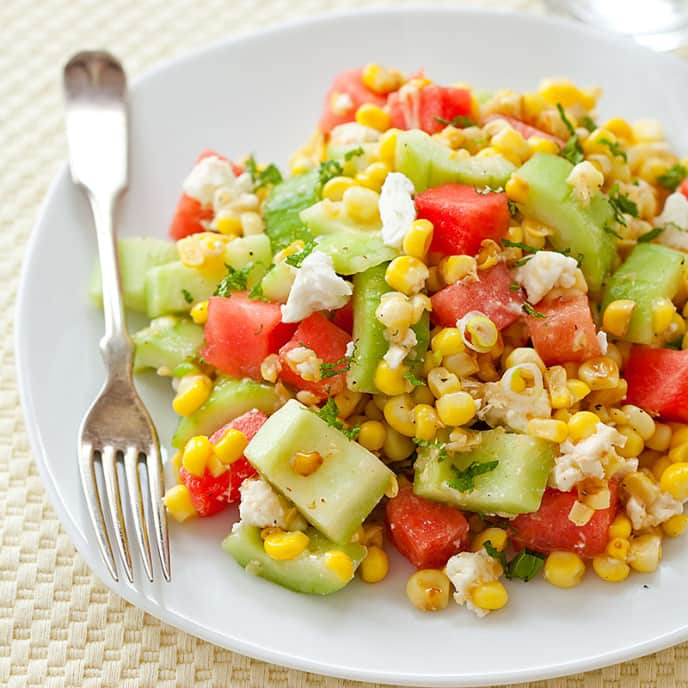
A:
x: 459, y: 121
x: 261, y: 178
x: 496, y: 554
x: 329, y: 170
x: 673, y: 177
x: 354, y: 153
x: 187, y: 296
x: 328, y: 370
x: 413, y: 379
x: 528, y: 308
x: 518, y: 244
x: 513, y: 208
x: 234, y: 280
x: 435, y: 444
x: 588, y: 123
x: 330, y: 412
x: 649, y: 236
x: 572, y: 151
x: 296, y: 259
x: 621, y: 204
x: 615, y: 149
x: 524, y: 566
x: 257, y: 293
x: 514, y: 286
x: 611, y: 230
x: 464, y: 480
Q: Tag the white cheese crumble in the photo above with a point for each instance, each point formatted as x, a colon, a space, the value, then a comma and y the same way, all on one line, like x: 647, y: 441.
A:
x: 674, y: 220
x: 207, y: 177
x: 305, y: 363
x: 402, y: 342
x: 350, y: 348
x: 341, y: 103
x: 602, y: 341
x: 466, y: 571
x: 397, y: 209
x: 317, y: 287
x: 585, y: 180
x: 545, y: 271
x: 354, y: 134
x: 261, y: 506
x: 660, y: 509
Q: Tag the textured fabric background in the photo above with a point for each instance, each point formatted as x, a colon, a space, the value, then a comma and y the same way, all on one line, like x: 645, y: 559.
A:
x: 59, y: 626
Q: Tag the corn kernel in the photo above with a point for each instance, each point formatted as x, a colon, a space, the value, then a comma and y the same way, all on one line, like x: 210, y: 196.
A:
x: 461, y: 364
x: 283, y: 546
x: 176, y: 465
x: 533, y: 104
x: 640, y: 421
x: 406, y: 274
x: 547, y: 429
x: 395, y: 311
x: 448, y: 341
x: 192, y: 393
x: 524, y: 354
x: 517, y: 189
x: 375, y: 566
x: 661, y: 439
x: 490, y: 596
x: 372, y: 435
x: 640, y: 486
x: 647, y: 130
x: 391, y: 381
x: 372, y: 116
x: 456, y: 408
x: 196, y: 454
x: 388, y: 146
x: 199, y: 312
x: 361, y: 204
x: 270, y: 368
x: 676, y: 525
x: 428, y: 590
x: 418, y: 239
x: 340, y: 563
x: 620, y: 128
x: 646, y: 553
x: 634, y: 443
x: 422, y: 395
x: 496, y: 536
x: 679, y: 453
x: 455, y: 268
x: 511, y: 144
x: 306, y: 463
x: 334, y: 189
x: 346, y: 402
x: 489, y: 255
x: 478, y: 332
x: 617, y: 316
x: 567, y: 94
x: 228, y: 225
x: 380, y: 79
x: 618, y: 548
x: 611, y: 569
x: 373, y: 177
x: 600, y: 373
x: 397, y: 447
x: 679, y: 436
x: 434, y: 282
x: 441, y: 382
x: 540, y: 144
x: 620, y: 527
x: 582, y: 425
x: 231, y: 445
x: 179, y: 504
x: 659, y: 466
x: 675, y: 481
x: 663, y: 311
x: 564, y: 569
x: 399, y: 415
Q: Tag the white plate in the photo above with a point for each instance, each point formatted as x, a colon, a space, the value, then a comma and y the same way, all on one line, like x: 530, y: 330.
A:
x: 263, y: 94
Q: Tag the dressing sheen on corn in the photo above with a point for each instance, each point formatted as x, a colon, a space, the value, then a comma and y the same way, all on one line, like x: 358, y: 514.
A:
x: 458, y: 318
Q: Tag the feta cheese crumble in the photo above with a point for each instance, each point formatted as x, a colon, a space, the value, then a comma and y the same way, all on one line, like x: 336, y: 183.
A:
x: 397, y: 209
x: 545, y: 271
x: 466, y: 571
x: 317, y: 287
x: 207, y: 176
x: 585, y: 181
x: 353, y: 134
x: 261, y: 506
x: 674, y: 220
x: 400, y: 347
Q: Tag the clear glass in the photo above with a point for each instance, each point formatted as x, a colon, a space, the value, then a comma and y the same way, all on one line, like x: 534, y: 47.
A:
x: 659, y: 24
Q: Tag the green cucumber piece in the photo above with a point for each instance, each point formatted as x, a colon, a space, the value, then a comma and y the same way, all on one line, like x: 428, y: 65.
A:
x: 308, y: 573
x: 166, y: 343
x: 415, y: 359
x: 284, y: 204
x: 354, y: 252
x: 428, y: 163
x: 229, y: 398
x: 355, y: 163
x: 342, y: 492
x: 651, y: 272
x: 174, y: 288
x: 244, y: 251
x: 515, y: 486
x: 327, y: 217
x: 578, y: 229
x: 136, y: 256
x: 277, y: 283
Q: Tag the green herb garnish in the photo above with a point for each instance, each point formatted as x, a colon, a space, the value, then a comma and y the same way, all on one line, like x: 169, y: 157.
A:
x: 525, y: 565
x: 234, y: 280
x: 354, y: 153
x: 572, y: 151
x: 673, y: 177
x: 649, y: 236
x: 514, y: 286
x: 261, y: 178
x: 341, y: 365
x: 296, y: 259
x: 329, y: 170
x: 330, y: 412
x: 513, y: 208
x: 621, y: 204
x: 615, y: 149
x: 611, y: 230
x: 434, y: 444
x: 413, y: 379
x: 464, y: 480
x: 257, y: 294
x: 496, y: 554
x: 187, y: 296
x: 528, y: 308
x: 518, y: 244
x: 588, y: 123
x: 459, y: 121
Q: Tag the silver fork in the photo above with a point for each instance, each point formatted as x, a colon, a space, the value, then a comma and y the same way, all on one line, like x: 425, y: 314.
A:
x: 117, y: 427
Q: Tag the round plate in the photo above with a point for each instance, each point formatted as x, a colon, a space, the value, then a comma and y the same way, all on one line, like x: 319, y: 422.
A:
x: 263, y: 93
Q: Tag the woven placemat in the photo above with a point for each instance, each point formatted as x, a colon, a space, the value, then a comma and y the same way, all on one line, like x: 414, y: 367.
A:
x: 59, y: 625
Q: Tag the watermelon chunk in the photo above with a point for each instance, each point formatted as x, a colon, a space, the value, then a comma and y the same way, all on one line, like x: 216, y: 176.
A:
x: 525, y: 129
x: 429, y: 108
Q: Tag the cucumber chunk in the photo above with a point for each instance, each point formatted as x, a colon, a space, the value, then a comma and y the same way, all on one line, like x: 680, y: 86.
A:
x: 277, y: 283
x: 308, y: 573
x: 354, y: 252
x: 342, y: 492
x: 578, y: 229
x: 229, y: 398
x: 244, y: 251
x: 651, y: 272
x: 136, y: 257
x: 428, y: 163
x: 515, y: 486
x: 166, y: 343
x: 327, y: 217
x: 355, y: 163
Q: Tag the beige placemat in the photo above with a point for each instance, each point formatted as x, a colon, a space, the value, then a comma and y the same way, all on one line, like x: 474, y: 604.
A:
x: 59, y: 626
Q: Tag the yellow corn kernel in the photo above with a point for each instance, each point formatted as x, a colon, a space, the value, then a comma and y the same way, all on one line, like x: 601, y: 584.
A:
x: 434, y: 282
x: 661, y: 439
x: 564, y: 569
x: 388, y: 146
x: 599, y: 373
x: 524, y: 354
x: 567, y: 94
x: 270, y: 368
x: 455, y: 268
x: 517, y: 189
x: 395, y: 311
x: 659, y: 466
x: 361, y: 204
x: 679, y: 453
x: 178, y: 502
x: 340, y: 563
x: 196, y: 454
x: 562, y: 414
x: 306, y: 463
x: 199, y: 312
x: 419, y: 304
x: 391, y: 381
x: 490, y: 596
x: 559, y: 395
x: 441, y: 381
x: 372, y: 116
x: 582, y: 424
x: 406, y: 274
x: 176, y: 465
x: 428, y: 590
x: 397, y: 447
x: 228, y: 225
x: 231, y: 445
x: 634, y: 443
x: 533, y: 104
x: 346, y: 402
x: 478, y: 332
x: 375, y: 566
x: 676, y: 525
x: 456, y: 408
x: 640, y: 486
x: 334, y: 189
x: 593, y: 144
x: 511, y: 144
x: 645, y: 553
x: 284, y: 546
x: 617, y: 316
x: 373, y: 177
x: 192, y: 393
x: 609, y: 397
x: 294, y: 247
x: 448, y: 341
x: 496, y: 536
x: 679, y: 436
x: 539, y: 144
x: 618, y: 548
x: 422, y: 395
x: 427, y: 422
x: 611, y: 569
x: 663, y: 311
x: 548, y: 429
x: 380, y: 79
x: 418, y: 239
x: 620, y: 128
x: 639, y: 420
x: 675, y: 481
x: 399, y: 415
x: 489, y: 255
x: 372, y: 435
x: 621, y: 527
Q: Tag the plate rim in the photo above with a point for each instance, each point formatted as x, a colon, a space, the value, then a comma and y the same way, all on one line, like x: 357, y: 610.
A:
x: 235, y: 643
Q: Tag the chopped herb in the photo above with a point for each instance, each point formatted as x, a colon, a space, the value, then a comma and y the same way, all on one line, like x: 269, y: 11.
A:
x: 261, y: 178
x: 435, y: 444
x: 518, y: 244
x: 354, y: 153
x: 328, y: 170
x: 496, y: 554
x: 460, y: 121
x: 464, y: 480
x: 611, y: 230
x: 621, y: 204
x: 187, y: 296
x: 528, y: 308
x: 588, y: 123
x: 521, y: 263
x: 296, y: 259
x: 572, y: 151
x: 330, y: 412
x: 341, y: 365
x: 649, y: 236
x: 413, y: 379
x: 525, y: 565
x: 514, y: 286
x: 673, y: 177
x: 257, y: 293
x: 513, y: 208
x: 615, y: 149
x: 251, y: 167
x: 234, y: 280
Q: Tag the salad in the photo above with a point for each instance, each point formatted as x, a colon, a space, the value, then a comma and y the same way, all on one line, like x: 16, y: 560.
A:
x: 456, y: 328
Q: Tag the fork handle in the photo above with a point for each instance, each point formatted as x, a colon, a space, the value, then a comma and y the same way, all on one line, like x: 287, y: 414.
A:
x: 115, y: 345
